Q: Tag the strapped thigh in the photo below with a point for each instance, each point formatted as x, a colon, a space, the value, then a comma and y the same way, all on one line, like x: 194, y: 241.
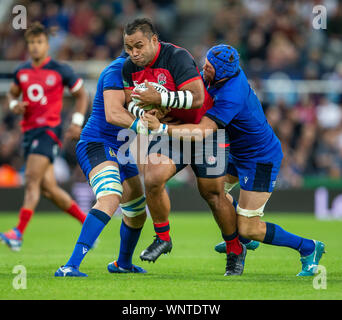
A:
x: 107, y: 181
x: 134, y: 207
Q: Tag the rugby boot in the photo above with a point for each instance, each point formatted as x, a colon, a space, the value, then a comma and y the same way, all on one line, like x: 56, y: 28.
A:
x: 154, y: 250
x: 12, y: 238
x: 113, y: 267
x: 236, y: 263
x: 69, y: 271
x: 310, y: 262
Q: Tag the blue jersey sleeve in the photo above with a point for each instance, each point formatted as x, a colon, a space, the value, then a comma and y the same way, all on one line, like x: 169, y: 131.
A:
x: 112, y: 79
x: 223, y: 112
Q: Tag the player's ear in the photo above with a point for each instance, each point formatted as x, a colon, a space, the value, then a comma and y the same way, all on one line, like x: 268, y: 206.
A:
x: 154, y: 38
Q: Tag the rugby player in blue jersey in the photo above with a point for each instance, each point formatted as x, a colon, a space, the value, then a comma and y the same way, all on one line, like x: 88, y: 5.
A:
x: 113, y: 182
x: 255, y: 151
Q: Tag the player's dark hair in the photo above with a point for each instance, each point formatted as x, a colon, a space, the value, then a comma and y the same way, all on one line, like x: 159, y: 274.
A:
x: 36, y: 29
x: 144, y: 25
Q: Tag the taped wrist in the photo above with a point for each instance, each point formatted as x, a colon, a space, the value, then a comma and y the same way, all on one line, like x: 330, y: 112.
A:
x: 77, y: 119
x: 13, y: 104
x: 176, y: 99
x: 135, y: 110
x: 138, y: 126
x: 161, y: 130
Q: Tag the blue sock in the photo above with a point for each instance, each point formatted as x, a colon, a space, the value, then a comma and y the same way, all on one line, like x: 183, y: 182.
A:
x: 129, y: 239
x: 92, y: 227
x: 242, y: 239
x: 277, y: 236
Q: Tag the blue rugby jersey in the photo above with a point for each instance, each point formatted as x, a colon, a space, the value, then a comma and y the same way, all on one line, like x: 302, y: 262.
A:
x: 97, y: 128
x: 238, y: 110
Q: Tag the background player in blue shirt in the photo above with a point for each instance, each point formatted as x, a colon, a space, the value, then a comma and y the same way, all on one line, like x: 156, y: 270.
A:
x: 255, y: 152
x: 113, y: 183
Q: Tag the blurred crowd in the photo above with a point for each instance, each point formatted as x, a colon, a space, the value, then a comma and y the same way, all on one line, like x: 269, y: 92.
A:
x: 278, y: 35
x: 275, y: 39
x: 87, y: 29
x: 311, y: 137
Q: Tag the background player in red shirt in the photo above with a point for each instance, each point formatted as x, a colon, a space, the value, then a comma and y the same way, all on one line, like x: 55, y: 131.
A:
x: 41, y: 82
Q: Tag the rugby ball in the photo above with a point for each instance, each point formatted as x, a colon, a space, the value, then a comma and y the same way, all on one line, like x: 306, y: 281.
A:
x: 142, y: 87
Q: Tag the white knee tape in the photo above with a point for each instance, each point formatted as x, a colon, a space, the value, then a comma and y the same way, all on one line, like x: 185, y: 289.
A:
x: 229, y: 186
x: 250, y: 213
x: 134, y: 208
x: 107, y: 181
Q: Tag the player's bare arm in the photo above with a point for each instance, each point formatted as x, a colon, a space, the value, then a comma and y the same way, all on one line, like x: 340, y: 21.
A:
x: 16, y: 106
x: 116, y: 114
x: 81, y: 105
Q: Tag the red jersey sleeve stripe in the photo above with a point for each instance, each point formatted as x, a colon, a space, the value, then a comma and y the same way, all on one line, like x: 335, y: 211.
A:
x: 129, y: 88
x: 188, y: 81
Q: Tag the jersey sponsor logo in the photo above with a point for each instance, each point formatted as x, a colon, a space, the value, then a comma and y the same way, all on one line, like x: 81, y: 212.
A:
x: 50, y: 80
x: 35, y: 93
x: 161, y: 78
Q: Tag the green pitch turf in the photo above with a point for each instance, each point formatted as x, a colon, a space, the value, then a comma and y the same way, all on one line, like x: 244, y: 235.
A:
x: 192, y: 271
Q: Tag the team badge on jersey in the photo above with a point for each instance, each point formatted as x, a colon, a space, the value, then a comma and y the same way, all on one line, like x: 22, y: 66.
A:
x: 161, y: 78
x: 112, y: 153
x: 211, y: 160
x: 23, y: 77
x: 50, y: 80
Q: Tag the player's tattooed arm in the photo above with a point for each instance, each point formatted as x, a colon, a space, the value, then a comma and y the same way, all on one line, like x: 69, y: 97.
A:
x: 16, y: 106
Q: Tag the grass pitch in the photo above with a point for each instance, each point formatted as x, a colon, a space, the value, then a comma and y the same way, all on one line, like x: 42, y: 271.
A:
x: 193, y: 270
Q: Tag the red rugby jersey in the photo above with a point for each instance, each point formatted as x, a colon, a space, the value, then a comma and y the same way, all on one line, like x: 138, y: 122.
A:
x: 172, y: 67
x: 42, y: 87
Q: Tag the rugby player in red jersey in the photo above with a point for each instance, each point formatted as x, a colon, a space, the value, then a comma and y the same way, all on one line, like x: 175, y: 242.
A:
x: 153, y: 61
x: 41, y: 82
